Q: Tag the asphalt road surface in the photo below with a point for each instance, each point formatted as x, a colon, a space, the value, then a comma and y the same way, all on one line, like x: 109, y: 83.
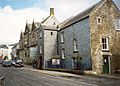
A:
x: 23, y: 77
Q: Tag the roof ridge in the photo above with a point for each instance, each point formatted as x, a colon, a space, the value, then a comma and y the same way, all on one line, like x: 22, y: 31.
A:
x: 82, y: 14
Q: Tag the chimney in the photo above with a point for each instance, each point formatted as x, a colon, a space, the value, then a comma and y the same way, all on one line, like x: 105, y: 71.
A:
x: 51, y: 11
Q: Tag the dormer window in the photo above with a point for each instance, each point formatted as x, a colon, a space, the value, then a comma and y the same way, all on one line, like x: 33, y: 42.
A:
x: 99, y: 20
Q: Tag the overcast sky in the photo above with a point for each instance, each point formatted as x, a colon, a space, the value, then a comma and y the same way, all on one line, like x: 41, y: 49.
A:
x: 14, y: 13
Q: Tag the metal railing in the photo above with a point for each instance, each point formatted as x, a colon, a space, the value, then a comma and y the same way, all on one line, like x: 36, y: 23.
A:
x: 2, y: 81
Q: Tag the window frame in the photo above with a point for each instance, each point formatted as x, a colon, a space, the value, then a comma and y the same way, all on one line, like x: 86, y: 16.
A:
x: 105, y: 45
x: 63, y: 53
x: 40, y: 34
x: 40, y: 49
x: 75, y: 45
x: 62, y: 37
x: 117, y: 24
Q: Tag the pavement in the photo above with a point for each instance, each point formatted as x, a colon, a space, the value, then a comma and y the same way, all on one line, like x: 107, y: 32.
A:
x: 64, y: 74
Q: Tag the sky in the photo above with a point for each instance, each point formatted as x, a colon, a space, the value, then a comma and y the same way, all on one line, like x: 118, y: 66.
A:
x: 15, y: 13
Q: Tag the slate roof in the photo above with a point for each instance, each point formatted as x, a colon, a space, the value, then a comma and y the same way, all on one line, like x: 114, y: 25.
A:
x: 4, y: 46
x: 81, y: 15
x: 45, y: 19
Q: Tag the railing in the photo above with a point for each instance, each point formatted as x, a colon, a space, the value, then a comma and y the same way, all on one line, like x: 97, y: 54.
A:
x: 65, y: 64
x: 2, y: 81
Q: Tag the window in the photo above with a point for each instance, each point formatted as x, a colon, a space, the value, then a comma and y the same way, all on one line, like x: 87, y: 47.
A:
x: 40, y: 49
x: 40, y: 34
x: 51, y: 33
x: 75, y: 45
x: 25, y: 42
x: 62, y: 37
x: 117, y: 24
x: 105, y: 43
x: 98, y: 20
x: 54, y: 23
x: 63, y: 53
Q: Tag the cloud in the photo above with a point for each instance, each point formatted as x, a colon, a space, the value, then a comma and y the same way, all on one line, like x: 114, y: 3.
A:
x: 13, y: 21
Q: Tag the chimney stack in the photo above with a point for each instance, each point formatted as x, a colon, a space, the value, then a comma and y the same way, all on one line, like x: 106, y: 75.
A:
x: 51, y: 11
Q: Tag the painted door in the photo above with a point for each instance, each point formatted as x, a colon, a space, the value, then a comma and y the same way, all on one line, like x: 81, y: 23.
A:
x: 105, y: 64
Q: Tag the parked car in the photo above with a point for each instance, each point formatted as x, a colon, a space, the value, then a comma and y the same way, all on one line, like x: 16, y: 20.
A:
x: 19, y: 63
x: 1, y: 61
x: 13, y: 62
x: 6, y: 63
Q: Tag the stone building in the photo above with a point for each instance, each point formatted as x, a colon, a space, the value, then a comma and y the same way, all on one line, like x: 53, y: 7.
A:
x: 47, y: 39
x: 39, y: 41
x: 87, y: 41
x: 24, y: 44
x: 93, y: 36
x: 33, y: 41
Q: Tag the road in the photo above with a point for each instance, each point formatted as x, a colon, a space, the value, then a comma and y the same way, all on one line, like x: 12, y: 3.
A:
x: 24, y: 77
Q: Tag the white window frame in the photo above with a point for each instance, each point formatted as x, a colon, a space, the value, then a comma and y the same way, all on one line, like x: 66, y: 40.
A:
x: 63, y: 53
x: 40, y: 34
x: 117, y: 24
x: 75, y: 45
x: 40, y: 49
x: 105, y: 43
x: 62, y: 37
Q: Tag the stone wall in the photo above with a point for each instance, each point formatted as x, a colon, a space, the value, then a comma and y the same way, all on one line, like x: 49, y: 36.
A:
x: 50, y: 44
x: 108, y: 13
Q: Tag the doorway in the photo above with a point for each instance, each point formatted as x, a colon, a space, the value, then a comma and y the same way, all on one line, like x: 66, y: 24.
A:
x: 106, y: 64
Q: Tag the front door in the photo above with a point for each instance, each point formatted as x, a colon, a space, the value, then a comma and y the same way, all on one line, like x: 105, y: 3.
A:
x: 106, y: 64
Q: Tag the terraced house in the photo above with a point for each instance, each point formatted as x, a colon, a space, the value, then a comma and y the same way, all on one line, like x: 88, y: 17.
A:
x: 87, y: 41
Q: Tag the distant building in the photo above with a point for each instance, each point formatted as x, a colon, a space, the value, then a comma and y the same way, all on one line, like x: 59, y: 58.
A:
x: 14, y: 52
x: 3, y: 51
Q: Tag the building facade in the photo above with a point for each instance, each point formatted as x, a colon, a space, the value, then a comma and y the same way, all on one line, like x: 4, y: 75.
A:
x: 4, y: 51
x: 47, y: 39
x: 87, y: 41
x: 94, y: 35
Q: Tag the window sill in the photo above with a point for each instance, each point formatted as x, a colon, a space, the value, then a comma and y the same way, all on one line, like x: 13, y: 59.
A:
x: 117, y: 29
x: 62, y: 42
x: 105, y: 50
x: 75, y: 51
